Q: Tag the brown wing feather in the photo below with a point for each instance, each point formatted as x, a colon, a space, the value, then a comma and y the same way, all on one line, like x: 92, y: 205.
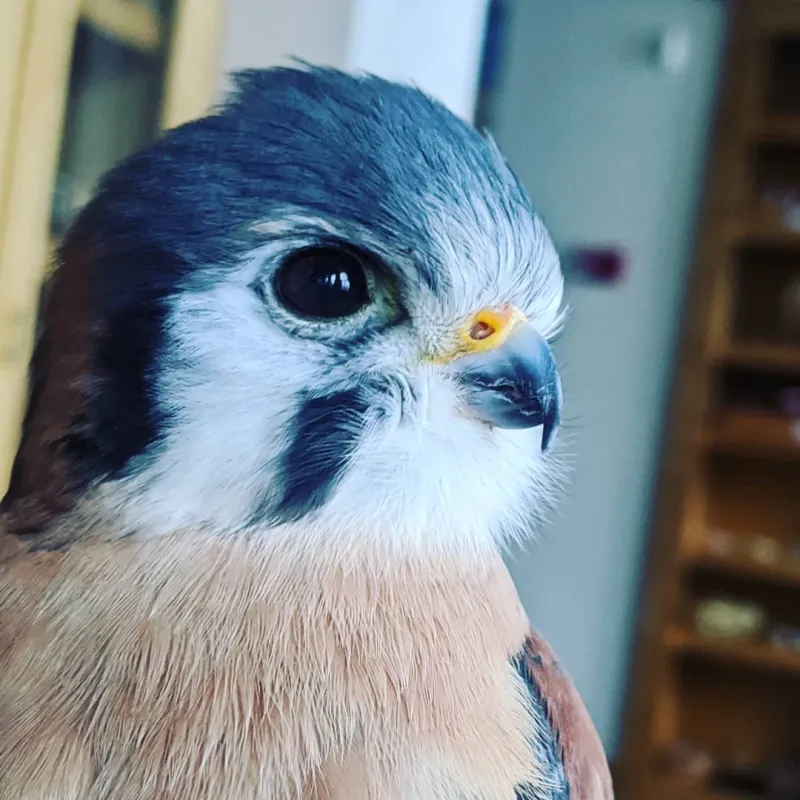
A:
x: 584, y: 760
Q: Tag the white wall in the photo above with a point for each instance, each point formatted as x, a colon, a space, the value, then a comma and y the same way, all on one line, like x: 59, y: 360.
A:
x: 435, y: 44
x: 612, y: 150
x: 262, y: 33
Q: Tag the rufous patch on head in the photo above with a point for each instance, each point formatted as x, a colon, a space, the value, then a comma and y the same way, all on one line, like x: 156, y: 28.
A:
x: 43, y: 481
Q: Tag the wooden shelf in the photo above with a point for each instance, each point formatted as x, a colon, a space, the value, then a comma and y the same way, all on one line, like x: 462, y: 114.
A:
x: 669, y: 787
x: 128, y: 22
x: 769, y: 357
x: 779, y: 574
x: 753, y: 434
x: 777, y: 130
x: 766, y: 236
x: 755, y: 655
x: 756, y: 232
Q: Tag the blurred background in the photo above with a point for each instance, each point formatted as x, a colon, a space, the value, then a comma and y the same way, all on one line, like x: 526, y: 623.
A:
x: 660, y: 140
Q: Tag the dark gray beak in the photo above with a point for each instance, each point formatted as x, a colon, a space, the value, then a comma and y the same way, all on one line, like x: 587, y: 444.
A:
x: 515, y: 385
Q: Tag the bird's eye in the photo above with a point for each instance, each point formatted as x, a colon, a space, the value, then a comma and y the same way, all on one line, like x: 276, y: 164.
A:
x: 323, y: 282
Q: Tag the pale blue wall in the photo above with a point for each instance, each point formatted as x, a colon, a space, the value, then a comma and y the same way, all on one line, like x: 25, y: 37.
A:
x: 612, y: 149
x: 435, y: 44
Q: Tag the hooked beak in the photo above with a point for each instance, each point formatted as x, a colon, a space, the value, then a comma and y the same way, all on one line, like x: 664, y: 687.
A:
x: 508, y: 373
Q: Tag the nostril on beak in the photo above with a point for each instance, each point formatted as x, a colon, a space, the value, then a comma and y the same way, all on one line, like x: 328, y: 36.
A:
x: 488, y: 329
x: 481, y: 330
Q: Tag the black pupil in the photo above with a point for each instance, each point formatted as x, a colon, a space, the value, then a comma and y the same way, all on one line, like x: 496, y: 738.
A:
x: 325, y: 282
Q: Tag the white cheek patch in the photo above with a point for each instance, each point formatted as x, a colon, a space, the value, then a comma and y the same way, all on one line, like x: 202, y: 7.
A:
x: 439, y: 480
x: 229, y: 387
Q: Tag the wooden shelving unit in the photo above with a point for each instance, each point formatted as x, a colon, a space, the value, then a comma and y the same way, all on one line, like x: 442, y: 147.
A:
x: 781, y: 573
x: 755, y: 655
x: 727, y: 521
x: 777, y: 130
x: 761, y: 356
x: 759, y: 232
x: 83, y: 83
x: 753, y: 433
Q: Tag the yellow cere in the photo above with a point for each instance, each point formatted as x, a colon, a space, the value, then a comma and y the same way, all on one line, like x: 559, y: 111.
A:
x: 483, y: 331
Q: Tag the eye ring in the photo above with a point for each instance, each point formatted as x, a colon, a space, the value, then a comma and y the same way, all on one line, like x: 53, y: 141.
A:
x: 324, y: 282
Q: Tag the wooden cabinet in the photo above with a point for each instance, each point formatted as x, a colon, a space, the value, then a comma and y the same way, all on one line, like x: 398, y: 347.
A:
x: 715, y: 709
x: 83, y: 83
